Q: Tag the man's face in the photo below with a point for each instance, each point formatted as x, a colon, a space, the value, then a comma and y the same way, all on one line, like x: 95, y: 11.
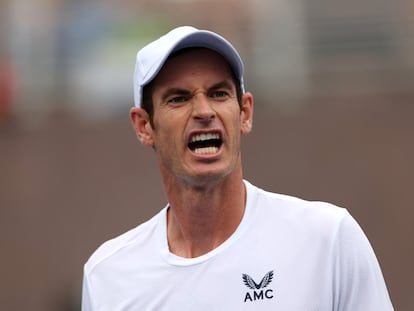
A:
x: 197, y: 118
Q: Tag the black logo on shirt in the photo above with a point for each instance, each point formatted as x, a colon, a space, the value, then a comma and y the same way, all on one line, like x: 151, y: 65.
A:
x: 259, y: 293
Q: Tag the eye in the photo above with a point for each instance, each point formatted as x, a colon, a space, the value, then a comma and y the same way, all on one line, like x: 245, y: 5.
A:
x: 177, y: 99
x: 219, y: 94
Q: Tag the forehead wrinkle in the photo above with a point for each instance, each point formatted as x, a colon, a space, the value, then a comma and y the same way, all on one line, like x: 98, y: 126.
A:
x: 193, y: 62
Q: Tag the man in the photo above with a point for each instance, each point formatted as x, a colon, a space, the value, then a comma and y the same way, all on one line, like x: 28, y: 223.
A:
x: 222, y: 243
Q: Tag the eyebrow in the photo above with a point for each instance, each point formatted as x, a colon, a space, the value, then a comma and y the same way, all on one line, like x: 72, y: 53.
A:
x: 174, y: 91
x: 180, y: 91
x: 223, y: 84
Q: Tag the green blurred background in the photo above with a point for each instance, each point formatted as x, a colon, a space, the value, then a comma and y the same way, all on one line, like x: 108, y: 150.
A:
x: 334, y: 104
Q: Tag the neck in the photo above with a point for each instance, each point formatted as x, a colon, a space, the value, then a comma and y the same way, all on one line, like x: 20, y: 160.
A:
x: 201, y: 218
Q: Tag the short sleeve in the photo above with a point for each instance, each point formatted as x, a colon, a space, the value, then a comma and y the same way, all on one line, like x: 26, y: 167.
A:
x: 358, y: 281
x: 86, y: 297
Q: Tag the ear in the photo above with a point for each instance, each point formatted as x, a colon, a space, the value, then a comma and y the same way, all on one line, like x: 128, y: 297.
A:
x: 246, y: 113
x: 141, y: 122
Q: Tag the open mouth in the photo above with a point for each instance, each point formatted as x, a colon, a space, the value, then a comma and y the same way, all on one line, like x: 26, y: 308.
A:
x: 206, y: 143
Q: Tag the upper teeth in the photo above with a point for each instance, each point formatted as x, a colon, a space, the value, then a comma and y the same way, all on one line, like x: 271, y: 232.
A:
x: 207, y: 136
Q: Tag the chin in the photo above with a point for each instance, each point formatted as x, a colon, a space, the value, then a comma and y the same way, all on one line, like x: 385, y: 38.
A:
x: 209, y: 177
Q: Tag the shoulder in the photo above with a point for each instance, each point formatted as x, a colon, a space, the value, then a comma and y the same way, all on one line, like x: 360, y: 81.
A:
x: 113, y: 247
x: 292, y: 206
x: 291, y: 214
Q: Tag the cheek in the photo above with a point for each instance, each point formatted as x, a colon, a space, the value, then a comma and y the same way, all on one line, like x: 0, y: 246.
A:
x: 166, y: 134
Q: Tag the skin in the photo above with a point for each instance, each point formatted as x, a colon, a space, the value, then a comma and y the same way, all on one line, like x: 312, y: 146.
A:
x: 194, y: 93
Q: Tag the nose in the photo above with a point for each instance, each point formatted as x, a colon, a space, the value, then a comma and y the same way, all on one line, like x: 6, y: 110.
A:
x: 202, y: 108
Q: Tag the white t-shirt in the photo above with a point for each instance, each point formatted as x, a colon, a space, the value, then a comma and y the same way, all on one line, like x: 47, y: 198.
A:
x: 287, y: 254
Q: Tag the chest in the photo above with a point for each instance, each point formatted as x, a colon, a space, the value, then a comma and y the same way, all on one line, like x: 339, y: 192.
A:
x: 248, y: 276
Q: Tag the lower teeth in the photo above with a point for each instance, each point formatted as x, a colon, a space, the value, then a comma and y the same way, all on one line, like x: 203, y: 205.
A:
x: 206, y: 150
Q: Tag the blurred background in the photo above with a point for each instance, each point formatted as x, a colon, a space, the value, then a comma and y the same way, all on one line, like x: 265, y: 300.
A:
x: 334, y: 104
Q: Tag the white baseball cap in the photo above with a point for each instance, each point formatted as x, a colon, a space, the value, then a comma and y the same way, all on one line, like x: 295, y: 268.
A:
x: 152, y: 57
